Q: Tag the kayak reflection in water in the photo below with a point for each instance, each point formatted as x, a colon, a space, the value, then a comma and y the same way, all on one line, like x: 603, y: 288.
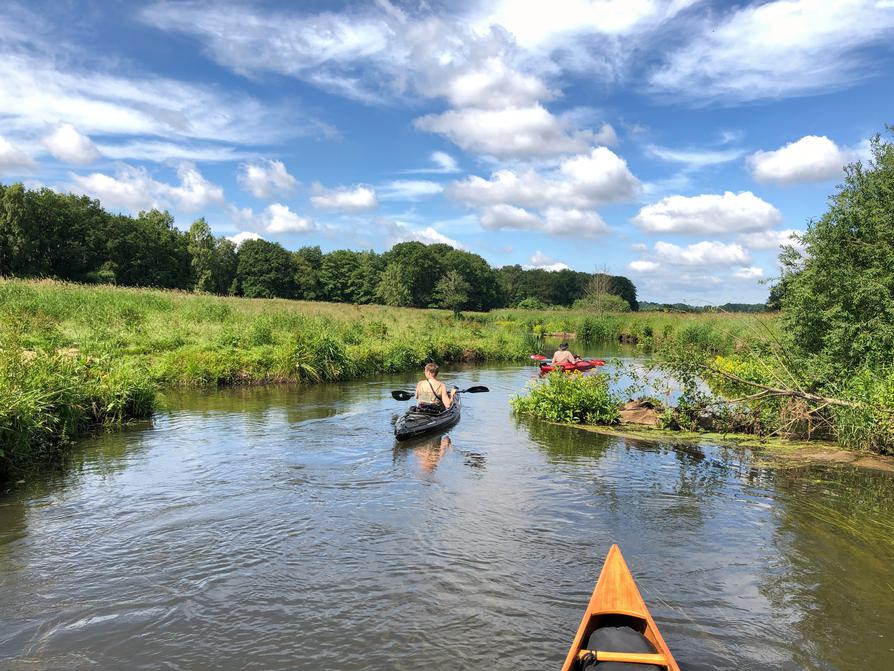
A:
x: 431, y: 453
x: 431, y: 393
x: 562, y: 355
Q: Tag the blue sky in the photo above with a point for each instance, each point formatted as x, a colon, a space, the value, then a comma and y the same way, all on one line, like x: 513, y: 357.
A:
x: 676, y: 142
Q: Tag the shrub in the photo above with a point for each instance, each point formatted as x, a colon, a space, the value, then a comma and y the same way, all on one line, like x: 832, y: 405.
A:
x: 571, y: 399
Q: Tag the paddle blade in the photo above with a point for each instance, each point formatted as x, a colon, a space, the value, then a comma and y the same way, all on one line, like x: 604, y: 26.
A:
x: 538, y: 357
x: 475, y: 390
x: 402, y: 395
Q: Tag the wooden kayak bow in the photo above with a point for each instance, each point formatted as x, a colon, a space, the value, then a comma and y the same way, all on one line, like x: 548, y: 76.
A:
x: 616, y: 602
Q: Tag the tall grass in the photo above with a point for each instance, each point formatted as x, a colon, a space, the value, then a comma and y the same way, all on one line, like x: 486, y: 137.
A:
x: 73, y: 356
x: 712, y: 333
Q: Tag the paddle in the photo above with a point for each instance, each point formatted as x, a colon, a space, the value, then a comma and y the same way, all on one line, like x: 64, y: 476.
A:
x: 398, y: 395
x: 623, y: 657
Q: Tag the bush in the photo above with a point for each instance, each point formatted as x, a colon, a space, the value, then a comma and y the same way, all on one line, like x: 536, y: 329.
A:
x: 570, y: 398
x: 531, y: 304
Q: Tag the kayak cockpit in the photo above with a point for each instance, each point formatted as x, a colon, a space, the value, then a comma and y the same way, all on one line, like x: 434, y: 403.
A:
x: 627, y: 635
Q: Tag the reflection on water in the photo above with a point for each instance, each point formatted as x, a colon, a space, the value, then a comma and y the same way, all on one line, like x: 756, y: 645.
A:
x: 283, y: 528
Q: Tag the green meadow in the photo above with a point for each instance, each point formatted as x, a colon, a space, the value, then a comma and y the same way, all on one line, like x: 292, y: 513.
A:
x: 75, y: 357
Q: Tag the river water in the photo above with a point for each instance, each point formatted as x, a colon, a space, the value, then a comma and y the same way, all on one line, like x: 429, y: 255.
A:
x: 282, y: 528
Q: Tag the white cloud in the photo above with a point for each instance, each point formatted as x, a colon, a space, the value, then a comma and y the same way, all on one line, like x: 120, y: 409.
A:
x: 539, y: 24
x: 706, y: 253
x: 601, y: 175
x: 494, y: 85
x: 322, y: 48
x: 574, y: 222
x: 239, y: 238
x: 511, y: 132
x: 67, y: 144
x: 708, y: 213
x: 642, y: 266
x: 165, y: 152
x: 134, y: 189
x: 12, y: 157
x: 777, y: 49
x: 556, y: 221
x: 408, y: 189
x: 445, y: 162
x: 265, y: 179
x: 695, y: 158
x: 769, y: 239
x: 810, y: 159
x: 749, y: 273
x: 582, y: 181
x: 278, y: 218
x: 344, y: 199
x: 428, y: 235
x: 502, y: 216
x: 540, y: 261
x: 36, y: 91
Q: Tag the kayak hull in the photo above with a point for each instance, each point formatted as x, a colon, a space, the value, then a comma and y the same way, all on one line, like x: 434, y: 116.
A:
x: 412, y: 424
x: 616, y: 604
x: 588, y: 364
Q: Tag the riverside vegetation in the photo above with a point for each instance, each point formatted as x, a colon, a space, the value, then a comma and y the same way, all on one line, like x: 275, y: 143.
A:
x: 825, y: 367
x: 73, y: 356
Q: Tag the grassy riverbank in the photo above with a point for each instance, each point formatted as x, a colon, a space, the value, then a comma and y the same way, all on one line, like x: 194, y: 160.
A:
x: 710, y: 333
x: 76, y: 356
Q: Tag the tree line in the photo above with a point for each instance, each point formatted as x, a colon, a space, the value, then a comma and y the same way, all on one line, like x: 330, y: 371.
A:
x: 44, y: 233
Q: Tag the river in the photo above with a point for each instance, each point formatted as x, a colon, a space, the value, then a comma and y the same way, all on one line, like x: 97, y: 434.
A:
x: 283, y: 528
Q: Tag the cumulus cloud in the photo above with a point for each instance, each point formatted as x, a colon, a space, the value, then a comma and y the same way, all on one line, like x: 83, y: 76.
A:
x: 67, y: 144
x: 280, y: 219
x: 344, y: 198
x: 555, y: 220
x: 13, y: 158
x: 276, y: 218
x: 582, y: 181
x: 749, y: 273
x: 429, y: 235
x: 748, y: 55
x: 135, y: 189
x: 511, y: 132
x: 708, y: 213
x: 497, y: 217
x: 540, y: 261
x: 239, y: 238
x: 770, y: 239
x: 706, y: 253
x: 408, y: 190
x: 810, y: 159
x: 265, y: 179
x: 494, y: 85
x: 573, y: 222
x: 642, y: 266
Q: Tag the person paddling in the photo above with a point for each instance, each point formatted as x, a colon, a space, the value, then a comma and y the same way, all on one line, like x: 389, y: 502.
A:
x: 562, y: 355
x: 431, y: 393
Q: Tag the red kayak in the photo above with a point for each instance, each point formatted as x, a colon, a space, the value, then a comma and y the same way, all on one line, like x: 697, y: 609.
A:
x: 586, y: 364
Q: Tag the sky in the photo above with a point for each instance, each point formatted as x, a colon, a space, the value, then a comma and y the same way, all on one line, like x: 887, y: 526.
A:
x: 676, y: 142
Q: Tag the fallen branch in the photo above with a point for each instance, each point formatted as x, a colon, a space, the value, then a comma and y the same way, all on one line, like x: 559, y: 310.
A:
x: 768, y: 391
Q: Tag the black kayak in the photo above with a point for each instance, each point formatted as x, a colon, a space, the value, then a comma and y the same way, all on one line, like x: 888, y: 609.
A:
x: 414, y: 423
